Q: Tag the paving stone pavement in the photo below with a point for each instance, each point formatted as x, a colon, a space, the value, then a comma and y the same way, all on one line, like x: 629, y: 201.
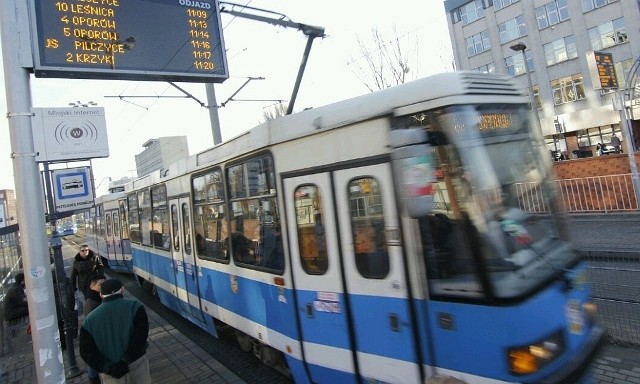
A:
x: 173, y: 359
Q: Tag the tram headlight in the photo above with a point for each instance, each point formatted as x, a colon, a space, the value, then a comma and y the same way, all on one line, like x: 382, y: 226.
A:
x: 590, y: 309
x: 531, y: 358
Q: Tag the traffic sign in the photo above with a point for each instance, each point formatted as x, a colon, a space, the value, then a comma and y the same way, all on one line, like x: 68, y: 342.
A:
x: 72, y: 189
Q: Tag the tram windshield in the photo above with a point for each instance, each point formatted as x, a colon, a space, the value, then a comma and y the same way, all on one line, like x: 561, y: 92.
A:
x: 493, y: 231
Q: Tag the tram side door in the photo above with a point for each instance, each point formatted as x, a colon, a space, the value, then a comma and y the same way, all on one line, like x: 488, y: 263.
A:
x: 375, y: 274
x: 184, y: 261
x: 319, y: 287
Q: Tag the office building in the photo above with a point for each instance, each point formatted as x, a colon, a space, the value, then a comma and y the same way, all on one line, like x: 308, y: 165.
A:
x: 8, y: 212
x: 557, y: 37
x: 161, y: 152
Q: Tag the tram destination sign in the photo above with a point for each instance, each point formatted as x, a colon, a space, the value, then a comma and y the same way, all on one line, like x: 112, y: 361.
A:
x: 154, y: 40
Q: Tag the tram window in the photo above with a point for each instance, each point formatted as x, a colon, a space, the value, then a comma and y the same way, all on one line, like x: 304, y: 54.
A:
x: 107, y: 221
x: 116, y: 222
x: 255, y: 237
x: 210, y: 222
x: 367, y: 225
x: 144, y: 213
x: 160, y: 218
x: 252, y: 178
x: 211, y: 230
x: 310, y: 226
x: 123, y: 219
x: 255, y: 233
x: 186, y: 227
x: 99, y: 223
x: 174, y: 228
x: 134, y: 221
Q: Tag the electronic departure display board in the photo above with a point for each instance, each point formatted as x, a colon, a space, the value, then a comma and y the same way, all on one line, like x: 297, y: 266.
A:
x: 167, y: 40
x: 602, y: 70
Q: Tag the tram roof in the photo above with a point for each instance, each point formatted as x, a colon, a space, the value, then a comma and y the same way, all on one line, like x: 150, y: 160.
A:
x: 439, y: 88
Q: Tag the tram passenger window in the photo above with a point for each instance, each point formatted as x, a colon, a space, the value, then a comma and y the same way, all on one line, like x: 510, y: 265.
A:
x: 311, y: 234
x: 211, y: 228
x: 368, y: 230
x: 255, y: 233
x: 116, y: 224
x: 108, y: 224
x: 255, y: 239
x: 99, y: 221
x: 160, y: 218
x: 175, y: 228
x: 186, y: 224
x: 134, y: 223
x: 122, y: 204
x: 144, y: 213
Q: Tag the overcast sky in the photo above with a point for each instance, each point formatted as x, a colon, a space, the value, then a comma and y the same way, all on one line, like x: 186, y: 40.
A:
x: 254, y: 49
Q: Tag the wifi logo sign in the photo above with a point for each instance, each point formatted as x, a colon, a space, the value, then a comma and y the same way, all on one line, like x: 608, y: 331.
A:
x: 76, y: 135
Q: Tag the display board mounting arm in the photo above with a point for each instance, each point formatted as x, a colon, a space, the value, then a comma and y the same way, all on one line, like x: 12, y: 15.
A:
x: 282, y: 21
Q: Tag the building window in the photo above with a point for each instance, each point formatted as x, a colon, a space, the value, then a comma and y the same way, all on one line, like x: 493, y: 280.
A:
x: 552, y: 13
x: 560, y: 50
x: 593, y: 136
x: 590, y: 5
x: 499, y: 4
x: 536, y: 96
x: 568, y: 89
x: 608, y: 34
x: 512, y: 29
x: 488, y: 68
x: 471, y: 12
x: 515, y: 64
x: 478, y: 43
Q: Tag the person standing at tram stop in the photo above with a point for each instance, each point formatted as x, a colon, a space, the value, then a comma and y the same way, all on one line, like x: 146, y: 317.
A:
x: 113, y: 337
x: 85, y: 265
x: 615, y: 142
x: 15, y: 301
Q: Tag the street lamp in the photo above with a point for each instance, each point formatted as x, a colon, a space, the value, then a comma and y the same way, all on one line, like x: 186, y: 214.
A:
x: 521, y: 47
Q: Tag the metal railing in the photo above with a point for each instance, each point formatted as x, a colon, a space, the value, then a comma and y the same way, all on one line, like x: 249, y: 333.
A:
x: 596, y: 194
x: 10, y: 257
x: 615, y: 285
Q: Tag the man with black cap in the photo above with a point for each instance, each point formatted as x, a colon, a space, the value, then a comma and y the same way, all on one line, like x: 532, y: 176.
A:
x: 113, y: 337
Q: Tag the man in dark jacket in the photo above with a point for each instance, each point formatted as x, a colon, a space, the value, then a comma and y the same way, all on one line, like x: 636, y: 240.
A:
x: 113, y: 337
x: 15, y: 301
x: 85, y: 265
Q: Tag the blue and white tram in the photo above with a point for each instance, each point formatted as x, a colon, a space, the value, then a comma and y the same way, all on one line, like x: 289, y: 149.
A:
x: 382, y: 239
x: 107, y: 231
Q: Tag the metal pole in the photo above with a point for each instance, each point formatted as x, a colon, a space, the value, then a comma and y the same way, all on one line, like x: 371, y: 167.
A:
x: 534, y: 105
x: 303, y: 64
x: 42, y: 311
x: 213, y: 113
x: 627, y: 136
x: 63, y: 284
